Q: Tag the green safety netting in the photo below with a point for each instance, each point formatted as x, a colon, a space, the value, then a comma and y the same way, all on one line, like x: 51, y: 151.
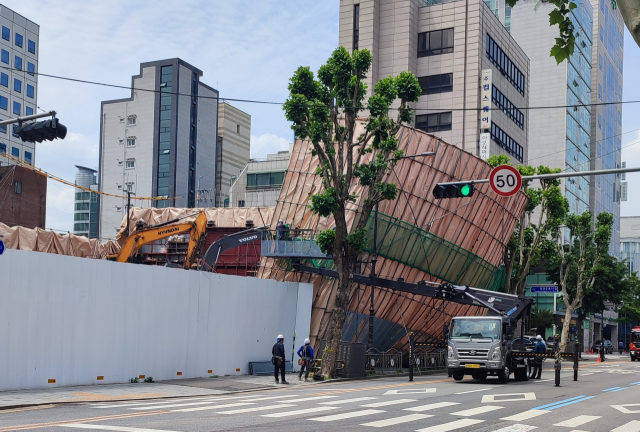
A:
x: 422, y: 250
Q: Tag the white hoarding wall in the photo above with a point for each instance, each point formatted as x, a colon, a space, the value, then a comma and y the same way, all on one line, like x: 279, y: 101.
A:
x: 73, y: 320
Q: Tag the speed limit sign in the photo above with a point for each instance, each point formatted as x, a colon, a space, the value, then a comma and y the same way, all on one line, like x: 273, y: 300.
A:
x: 505, y: 180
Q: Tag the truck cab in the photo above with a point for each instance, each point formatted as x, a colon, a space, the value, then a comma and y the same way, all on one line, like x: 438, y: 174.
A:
x: 634, y: 344
x: 482, y: 346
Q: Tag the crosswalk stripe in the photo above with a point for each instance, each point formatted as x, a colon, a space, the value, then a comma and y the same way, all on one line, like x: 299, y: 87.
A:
x: 110, y: 428
x: 263, y: 408
x: 432, y: 406
x: 387, y: 403
x: 577, y: 421
x: 519, y: 428
x: 446, y: 427
x: 397, y: 420
x: 211, y: 407
x: 473, y: 391
x: 152, y: 402
x: 347, y: 415
x: 476, y: 411
x: 310, y: 399
x: 298, y: 412
x: 525, y: 415
x: 256, y: 399
x: 338, y: 402
x: 150, y: 407
x: 632, y: 426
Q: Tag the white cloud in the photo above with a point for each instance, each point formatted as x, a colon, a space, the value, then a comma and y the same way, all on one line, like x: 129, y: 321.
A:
x: 266, y: 144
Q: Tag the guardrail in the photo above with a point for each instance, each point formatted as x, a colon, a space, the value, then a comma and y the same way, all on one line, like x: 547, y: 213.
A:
x: 430, y: 360
x: 379, y: 362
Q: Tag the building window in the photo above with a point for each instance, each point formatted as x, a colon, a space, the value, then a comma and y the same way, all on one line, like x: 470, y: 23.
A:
x: 599, y: 150
x: 507, y: 107
x: 4, y: 57
x: 434, y: 122
x: 131, y: 142
x: 3, y: 148
x: 19, y: 40
x: 6, y: 33
x: 601, y: 40
x: 4, y: 80
x: 18, y: 62
x: 131, y: 120
x: 31, y: 68
x: 80, y: 227
x: 599, y: 123
x: 505, y: 65
x: 4, y: 103
x: 3, y: 129
x: 265, y: 180
x: 166, y: 82
x: 506, y: 142
x: 82, y: 206
x: 28, y: 111
x: 30, y: 91
x: 130, y: 163
x: 31, y: 47
x: 81, y: 217
x: 17, y: 187
x: 82, y: 196
x: 356, y: 26
x: 599, y: 92
x: 17, y: 85
x: 14, y: 131
x: 238, y: 129
x: 16, y: 108
x: 28, y: 157
x: 15, y: 151
x: 435, y: 42
x: 241, y: 203
x: 600, y: 62
x: 434, y: 84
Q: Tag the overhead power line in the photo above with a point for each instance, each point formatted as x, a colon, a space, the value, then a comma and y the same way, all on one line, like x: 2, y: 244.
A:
x: 311, y: 105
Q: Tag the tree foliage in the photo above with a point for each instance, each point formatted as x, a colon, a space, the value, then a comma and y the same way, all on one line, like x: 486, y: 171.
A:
x: 324, y: 110
x: 630, y: 310
x: 532, y: 238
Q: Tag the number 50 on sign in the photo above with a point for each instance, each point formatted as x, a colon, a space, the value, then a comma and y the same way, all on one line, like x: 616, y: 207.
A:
x: 505, y: 180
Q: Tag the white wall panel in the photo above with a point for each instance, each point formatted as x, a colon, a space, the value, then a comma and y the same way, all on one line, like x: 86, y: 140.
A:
x: 73, y: 319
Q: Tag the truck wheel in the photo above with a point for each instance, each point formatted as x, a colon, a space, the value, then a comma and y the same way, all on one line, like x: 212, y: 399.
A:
x: 633, y: 359
x: 479, y: 376
x: 458, y: 375
x: 503, y: 375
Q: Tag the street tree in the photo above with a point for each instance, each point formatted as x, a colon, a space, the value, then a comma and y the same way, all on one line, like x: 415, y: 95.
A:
x: 566, y: 40
x: 577, y: 263
x: 531, y: 240
x: 630, y: 310
x: 324, y: 110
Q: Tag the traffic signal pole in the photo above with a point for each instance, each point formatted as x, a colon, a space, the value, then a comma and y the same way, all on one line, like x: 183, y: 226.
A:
x: 27, y: 118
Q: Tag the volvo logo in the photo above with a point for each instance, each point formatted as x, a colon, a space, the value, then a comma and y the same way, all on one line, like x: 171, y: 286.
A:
x: 246, y: 239
x: 472, y: 352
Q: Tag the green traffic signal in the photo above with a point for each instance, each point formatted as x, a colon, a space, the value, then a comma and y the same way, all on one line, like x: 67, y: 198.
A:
x: 453, y: 191
x: 465, y: 190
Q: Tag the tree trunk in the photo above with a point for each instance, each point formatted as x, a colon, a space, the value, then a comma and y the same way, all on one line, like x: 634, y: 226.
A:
x: 630, y: 11
x: 566, y: 325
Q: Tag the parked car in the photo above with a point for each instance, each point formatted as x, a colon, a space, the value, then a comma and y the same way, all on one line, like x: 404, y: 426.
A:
x: 598, y: 345
x: 529, y: 342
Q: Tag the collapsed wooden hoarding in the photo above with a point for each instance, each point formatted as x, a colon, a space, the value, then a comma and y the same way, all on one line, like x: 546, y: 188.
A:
x: 455, y: 240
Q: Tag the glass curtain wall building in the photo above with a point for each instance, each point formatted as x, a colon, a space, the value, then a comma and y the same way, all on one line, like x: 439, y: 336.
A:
x: 85, y: 211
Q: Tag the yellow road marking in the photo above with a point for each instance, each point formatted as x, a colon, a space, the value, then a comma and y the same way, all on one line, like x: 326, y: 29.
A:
x: 85, y: 420
x: 26, y: 409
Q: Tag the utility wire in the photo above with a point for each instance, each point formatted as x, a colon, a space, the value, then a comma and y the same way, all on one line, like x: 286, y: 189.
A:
x: 310, y: 105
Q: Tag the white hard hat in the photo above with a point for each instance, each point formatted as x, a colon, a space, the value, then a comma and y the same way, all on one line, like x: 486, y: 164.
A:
x: 538, y: 337
x: 307, y: 341
x: 280, y: 336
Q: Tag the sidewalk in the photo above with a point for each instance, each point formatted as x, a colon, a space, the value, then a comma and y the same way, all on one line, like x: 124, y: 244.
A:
x: 188, y: 387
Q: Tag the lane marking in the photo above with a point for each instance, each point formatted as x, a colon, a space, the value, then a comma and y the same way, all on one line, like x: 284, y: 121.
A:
x: 557, y: 403
x: 632, y: 426
x: 348, y: 415
x: 388, y: 403
x: 611, y: 389
x: 172, y: 405
x: 492, y: 398
x: 263, y: 408
x: 519, y: 428
x: 446, y: 427
x: 577, y: 421
x: 298, y: 412
x: 476, y: 411
x: 397, y: 420
x: 590, y: 373
x: 636, y: 383
x: 339, y: 402
x: 90, y: 419
x: 570, y: 403
x: 410, y: 391
x: 112, y: 428
x: 616, y: 390
x: 311, y: 399
x: 157, y: 402
x: 623, y: 408
x: 259, y: 399
x: 526, y: 415
x: 432, y: 406
x: 473, y: 391
x: 211, y: 407
x: 544, y: 380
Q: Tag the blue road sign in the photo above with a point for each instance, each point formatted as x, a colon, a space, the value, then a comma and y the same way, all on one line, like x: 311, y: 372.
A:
x: 547, y: 289
x: 1, y: 247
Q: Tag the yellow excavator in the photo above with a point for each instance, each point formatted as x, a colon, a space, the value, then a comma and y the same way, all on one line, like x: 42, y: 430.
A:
x: 146, y: 235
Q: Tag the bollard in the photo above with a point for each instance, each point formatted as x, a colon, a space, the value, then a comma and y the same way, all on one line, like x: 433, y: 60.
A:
x: 602, y: 354
x: 575, y: 362
x: 557, y: 366
x: 411, y: 359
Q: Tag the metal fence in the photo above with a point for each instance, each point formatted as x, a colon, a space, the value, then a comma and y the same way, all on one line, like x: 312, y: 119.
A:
x: 430, y: 360
x: 379, y: 362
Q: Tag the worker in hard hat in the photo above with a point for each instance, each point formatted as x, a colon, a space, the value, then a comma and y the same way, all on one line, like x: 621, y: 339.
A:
x: 278, y: 359
x: 306, y: 357
x: 537, y: 361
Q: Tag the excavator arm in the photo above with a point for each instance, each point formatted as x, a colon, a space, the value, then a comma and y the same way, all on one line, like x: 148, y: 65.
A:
x: 196, y: 230
x: 225, y: 243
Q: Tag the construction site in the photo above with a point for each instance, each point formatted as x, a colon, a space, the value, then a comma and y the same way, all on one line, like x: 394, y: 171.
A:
x: 420, y: 239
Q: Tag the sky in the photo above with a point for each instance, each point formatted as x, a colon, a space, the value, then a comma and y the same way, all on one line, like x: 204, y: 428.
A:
x: 246, y: 50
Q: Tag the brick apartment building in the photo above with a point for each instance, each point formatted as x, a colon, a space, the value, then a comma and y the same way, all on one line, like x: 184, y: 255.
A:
x: 23, y: 197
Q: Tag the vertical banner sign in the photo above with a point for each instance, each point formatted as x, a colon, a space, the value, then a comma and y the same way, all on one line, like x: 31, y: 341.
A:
x: 485, y: 146
x: 485, y: 99
x: 623, y: 191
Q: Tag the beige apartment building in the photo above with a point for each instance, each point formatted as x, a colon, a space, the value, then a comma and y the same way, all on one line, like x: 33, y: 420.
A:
x: 447, y: 45
x: 234, y: 137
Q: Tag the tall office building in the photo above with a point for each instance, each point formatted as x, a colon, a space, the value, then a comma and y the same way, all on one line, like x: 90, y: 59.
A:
x: 19, y: 50
x: 160, y: 142
x: 447, y: 45
x: 234, y: 135
x: 85, y: 211
x: 559, y: 138
x: 606, y: 120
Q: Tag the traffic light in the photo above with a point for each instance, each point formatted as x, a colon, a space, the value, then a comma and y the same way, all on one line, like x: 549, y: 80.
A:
x: 462, y: 190
x: 42, y: 130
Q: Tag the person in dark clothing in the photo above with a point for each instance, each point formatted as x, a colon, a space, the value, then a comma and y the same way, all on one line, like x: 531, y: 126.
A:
x: 537, y: 362
x: 278, y: 359
x: 280, y: 229
x: 306, y: 354
x: 620, y: 347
